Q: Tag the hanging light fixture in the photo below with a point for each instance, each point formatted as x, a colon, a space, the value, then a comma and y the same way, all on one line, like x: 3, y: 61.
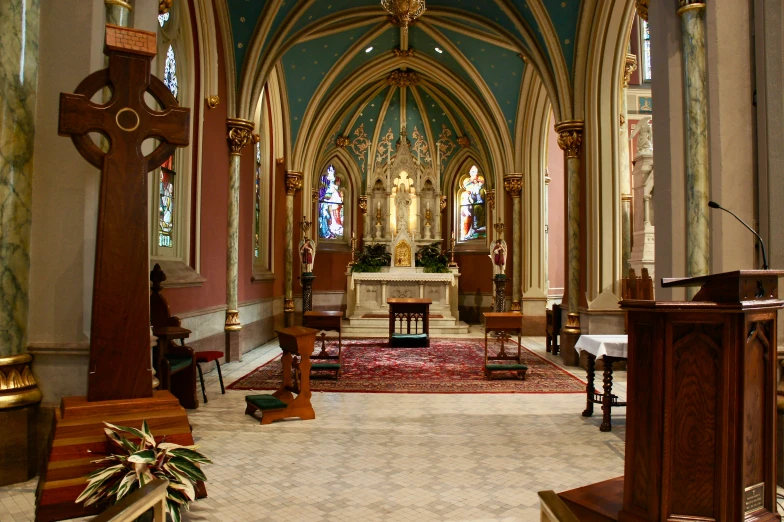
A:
x: 404, y: 12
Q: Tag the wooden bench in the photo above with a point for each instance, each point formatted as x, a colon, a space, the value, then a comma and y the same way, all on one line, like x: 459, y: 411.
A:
x: 409, y: 310
x: 292, y: 399
x: 504, y: 323
x: 326, y: 321
x: 174, y: 363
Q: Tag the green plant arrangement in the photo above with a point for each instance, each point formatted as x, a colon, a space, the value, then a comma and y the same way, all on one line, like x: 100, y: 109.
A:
x: 372, y: 258
x: 432, y: 259
x: 140, y: 464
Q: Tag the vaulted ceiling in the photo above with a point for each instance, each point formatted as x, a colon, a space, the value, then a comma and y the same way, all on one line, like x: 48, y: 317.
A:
x: 337, y: 61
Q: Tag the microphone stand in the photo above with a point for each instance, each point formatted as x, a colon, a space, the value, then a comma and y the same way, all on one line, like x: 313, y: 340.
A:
x: 713, y: 204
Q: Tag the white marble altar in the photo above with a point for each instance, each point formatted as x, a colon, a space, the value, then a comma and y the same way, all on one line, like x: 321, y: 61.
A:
x: 643, y: 230
x: 367, y: 294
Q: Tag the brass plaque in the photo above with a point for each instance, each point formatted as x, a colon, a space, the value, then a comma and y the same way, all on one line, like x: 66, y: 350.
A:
x: 754, y: 498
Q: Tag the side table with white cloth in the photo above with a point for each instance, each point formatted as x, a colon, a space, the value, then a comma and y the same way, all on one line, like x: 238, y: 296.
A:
x: 611, y: 348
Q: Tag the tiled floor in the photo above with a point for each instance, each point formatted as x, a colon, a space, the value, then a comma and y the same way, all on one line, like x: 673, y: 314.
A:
x: 390, y: 456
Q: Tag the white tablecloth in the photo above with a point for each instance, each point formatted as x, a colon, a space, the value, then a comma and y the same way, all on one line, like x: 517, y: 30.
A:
x: 600, y: 345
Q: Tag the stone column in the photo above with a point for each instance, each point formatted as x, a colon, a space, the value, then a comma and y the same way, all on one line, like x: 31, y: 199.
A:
x: 118, y: 12
x: 19, y: 394
x: 547, y: 180
x: 293, y: 184
x: 643, y: 253
x: 698, y: 241
x: 513, y: 183
x: 570, y: 137
x: 240, y: 135
x: 625, y: 169
x: 363, y: 207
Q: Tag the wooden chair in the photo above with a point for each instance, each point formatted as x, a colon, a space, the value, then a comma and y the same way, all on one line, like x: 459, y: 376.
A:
x: 553, y: 329
x: 174, y: 363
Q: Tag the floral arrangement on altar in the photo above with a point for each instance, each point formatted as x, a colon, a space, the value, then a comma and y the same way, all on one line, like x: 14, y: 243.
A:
x: 432, y: 259
x: 140, y: 464
x: 372, y: 258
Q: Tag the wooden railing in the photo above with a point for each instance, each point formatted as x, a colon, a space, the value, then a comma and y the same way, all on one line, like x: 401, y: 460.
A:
x: 153, y: 495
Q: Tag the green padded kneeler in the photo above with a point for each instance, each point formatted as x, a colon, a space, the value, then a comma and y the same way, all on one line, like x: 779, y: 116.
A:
x: 505, y: 367
x: 265, y: 402
x: 178, y: 362
x: 325, y: 366
x: 409, y: 340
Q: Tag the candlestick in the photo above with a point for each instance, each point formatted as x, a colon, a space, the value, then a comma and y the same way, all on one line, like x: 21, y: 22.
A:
x: 452, y: 263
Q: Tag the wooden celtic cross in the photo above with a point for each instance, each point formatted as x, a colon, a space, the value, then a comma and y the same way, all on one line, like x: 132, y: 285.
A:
x: 120, y: 362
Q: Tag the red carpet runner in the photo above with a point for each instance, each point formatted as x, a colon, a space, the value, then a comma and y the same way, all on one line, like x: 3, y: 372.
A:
x: 448, y: 366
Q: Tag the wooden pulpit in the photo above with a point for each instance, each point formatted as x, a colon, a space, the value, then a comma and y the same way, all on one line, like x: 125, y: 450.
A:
x: 119, y: 388
x: 701, y: 414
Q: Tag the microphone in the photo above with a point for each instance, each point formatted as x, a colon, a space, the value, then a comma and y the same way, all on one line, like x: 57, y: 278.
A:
x: 713, y: 204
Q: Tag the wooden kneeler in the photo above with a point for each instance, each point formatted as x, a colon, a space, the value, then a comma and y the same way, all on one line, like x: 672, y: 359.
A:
x: 292, y: 399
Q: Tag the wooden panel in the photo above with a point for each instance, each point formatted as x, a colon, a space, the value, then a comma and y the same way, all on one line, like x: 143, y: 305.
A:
x: 753, y: 404
x: 693, y: 429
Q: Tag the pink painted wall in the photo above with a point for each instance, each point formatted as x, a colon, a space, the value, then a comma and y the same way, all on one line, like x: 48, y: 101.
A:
x: 556, y: 214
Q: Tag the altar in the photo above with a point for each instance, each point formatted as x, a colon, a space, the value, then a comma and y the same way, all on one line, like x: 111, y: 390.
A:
x: 367, y: 293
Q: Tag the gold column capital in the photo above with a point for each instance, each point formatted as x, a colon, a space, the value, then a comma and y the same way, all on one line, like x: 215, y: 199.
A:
x: 17, y: 384
x: 120, y: 3
x: 642, y: 9
x: 233, y: 322
x: 629, y: 68
x: 513, y: 183
x: 570, y: 137
x: 240, y: 134
x: 213, y: 101
x: 689, y: 5
x: 293, y: 182
x: 363, y: 204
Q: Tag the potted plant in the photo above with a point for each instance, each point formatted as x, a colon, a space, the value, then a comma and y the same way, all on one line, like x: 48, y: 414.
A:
x: 372, y: 258
x: 140, y: 464
x: 432, y: 259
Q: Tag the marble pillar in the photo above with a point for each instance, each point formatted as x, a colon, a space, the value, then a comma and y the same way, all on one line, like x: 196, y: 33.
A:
x: 698, y: 241
x: 293, y: 184
x: 545, y: 203
x: 570, y: 136
x: 363, y: 208
x: 625, y: 169
x: 644, y: 251
x: 19, y: 393
x: 513, y: 183
x: 240, y: 135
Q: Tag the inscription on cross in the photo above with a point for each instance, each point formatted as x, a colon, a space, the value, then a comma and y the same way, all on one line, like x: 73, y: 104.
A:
x: 120, y: 362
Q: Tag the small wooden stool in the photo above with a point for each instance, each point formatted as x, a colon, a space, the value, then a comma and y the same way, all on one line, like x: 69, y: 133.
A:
x: 292, y: 399
x: 205, y: 357
x: 326, y: 320
x: 503, y: 323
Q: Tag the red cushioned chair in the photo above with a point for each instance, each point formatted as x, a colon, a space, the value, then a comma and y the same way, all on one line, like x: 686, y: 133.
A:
x: 205, y: 357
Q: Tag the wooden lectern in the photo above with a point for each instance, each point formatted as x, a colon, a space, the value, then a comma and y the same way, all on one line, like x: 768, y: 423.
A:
x: 700, y: 440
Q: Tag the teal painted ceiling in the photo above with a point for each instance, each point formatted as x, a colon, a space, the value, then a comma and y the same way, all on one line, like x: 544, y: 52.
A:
x: 467, y: 58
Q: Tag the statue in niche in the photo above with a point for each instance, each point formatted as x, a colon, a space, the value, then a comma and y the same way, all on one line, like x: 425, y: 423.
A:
x: 403, y: 203
x: 307, y: 254
x: 498, y: 257
x: 644, y: 134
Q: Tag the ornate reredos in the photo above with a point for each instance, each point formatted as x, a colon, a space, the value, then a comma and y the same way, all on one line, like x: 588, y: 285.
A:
x: 402, y: 161
x: 403, y: 250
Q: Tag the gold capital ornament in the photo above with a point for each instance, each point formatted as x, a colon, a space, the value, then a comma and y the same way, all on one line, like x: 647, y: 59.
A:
x: 293, y: 182
x: 240, y: 134
x: 513, y: 183
x: 642, y: 9
x: 570, y: 137
x: 233, y: 323
x: 17, y: 384
x: 213, y: 101
x: 631, y: 66
x: 490, y: 198
x: 689, y: 5
x: 399, y: 53
x: 342, y: 142
x: 403, y: 78
x: 363, y: 204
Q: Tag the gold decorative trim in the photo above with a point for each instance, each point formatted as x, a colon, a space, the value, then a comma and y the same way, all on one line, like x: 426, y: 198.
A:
x: 403, y: 78
x: 119, y: 3
x: 233, y: 323
x: 280, y: 161
x: 293, y: 182
x: 240, y: 134
x: 642, y: 9
x: 570, y: 137
x: 464, y: 142
x: 288, y: 305
x: 123, y: 111
x: 513, y: 183
x: 213, y: 101
x: 399, y: 53
x: 443, y: 202
x: 689, y: 7
x: 572, y: 324
x: 626, y: 198
x: 630, y: 67
x: 363, y: 204
x: 17, y: 384
x: 489, y: 197
x: 342, y: 142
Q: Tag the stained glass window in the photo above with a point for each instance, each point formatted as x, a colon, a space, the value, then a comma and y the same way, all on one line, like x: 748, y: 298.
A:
x: 471, y: 195
x: 166, y: 207
x: 646, y: 51
x: 170, y: 71
x: 163, y: 18
x: 330, y: 219
x: 258, y: 200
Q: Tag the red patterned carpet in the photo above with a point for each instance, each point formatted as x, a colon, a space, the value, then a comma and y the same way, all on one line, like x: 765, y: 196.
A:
x: 448, y: 366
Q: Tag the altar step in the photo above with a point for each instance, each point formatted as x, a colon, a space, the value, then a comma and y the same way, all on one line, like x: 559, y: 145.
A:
x: 377, y: 325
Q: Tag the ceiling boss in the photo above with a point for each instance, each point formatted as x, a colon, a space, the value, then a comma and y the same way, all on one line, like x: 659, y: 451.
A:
x: 404, y: 12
